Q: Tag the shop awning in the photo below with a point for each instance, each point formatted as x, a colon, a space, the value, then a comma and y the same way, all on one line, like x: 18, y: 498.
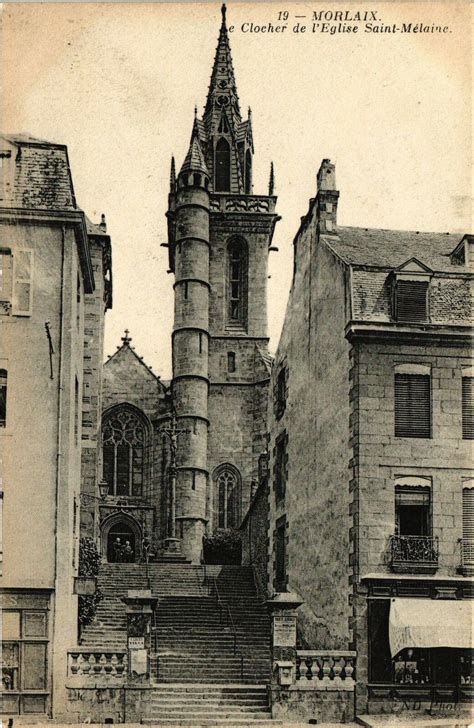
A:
x: 430, y: 623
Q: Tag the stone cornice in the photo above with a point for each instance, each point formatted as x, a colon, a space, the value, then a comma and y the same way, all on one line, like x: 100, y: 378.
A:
x: 414, y: 333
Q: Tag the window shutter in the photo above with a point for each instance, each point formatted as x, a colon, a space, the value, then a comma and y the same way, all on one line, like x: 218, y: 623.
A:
x: 468, y: 408
x: 468, y: 513
x: 412, y: 405
x: 5, y: 275
x: 412, y: 297
x: 22, y: 282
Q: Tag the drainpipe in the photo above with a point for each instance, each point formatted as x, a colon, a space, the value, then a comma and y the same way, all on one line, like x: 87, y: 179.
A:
x: 59, y: 433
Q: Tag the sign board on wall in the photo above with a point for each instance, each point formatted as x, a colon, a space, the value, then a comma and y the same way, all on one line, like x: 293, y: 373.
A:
x: 284, y: 630
x: 136, y: 643
x: 138, y: 662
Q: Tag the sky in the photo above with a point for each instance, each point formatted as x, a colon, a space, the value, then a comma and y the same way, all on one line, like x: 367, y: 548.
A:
x: 117, y: 83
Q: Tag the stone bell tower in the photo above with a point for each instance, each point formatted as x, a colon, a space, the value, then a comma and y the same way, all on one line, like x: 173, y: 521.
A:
x: 219, y: 237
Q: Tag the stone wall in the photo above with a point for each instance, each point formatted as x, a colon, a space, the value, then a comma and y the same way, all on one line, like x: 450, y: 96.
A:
x: 119, y: 704
x: 315, y: 419
x: 94, y: 311
x: 254, y: 532
x: 297, y: 704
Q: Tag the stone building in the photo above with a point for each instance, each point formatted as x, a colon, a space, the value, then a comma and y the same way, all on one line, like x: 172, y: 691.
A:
x: 220, y: 235
x: 54, y: 270
x: 370, y: 462
x: 134, y: 453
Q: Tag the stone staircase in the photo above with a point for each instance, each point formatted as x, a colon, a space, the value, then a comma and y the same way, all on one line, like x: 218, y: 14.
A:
x: 211, y: 657
x: 209, y: 705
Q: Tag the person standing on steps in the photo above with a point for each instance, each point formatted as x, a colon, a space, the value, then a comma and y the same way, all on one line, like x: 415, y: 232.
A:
x: 127, y: 552
x: 117, y: 550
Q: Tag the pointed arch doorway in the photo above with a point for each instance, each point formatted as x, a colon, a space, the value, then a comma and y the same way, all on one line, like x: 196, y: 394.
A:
x: 121, y: 539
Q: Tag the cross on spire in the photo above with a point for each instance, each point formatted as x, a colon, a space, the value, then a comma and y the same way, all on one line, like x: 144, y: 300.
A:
x: 126, y: 338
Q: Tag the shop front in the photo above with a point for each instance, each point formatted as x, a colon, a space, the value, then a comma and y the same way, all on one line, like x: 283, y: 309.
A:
x: 419, y: 651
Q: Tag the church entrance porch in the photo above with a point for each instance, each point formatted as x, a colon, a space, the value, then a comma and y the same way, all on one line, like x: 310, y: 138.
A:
x: 121, y: 546
x: 121, y: 538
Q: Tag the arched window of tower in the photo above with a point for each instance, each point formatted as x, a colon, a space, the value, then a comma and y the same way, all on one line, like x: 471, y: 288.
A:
x: 125, y: 436
x: 248, y: 172
x: 237, y: 281
x: 229, y: 496
x: 222, y: 166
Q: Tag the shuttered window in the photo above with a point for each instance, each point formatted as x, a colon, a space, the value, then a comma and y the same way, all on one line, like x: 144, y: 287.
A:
x: 412, y: 405
x: 468, y: 514
x: 22, y: 282
x: 468, y: 408
x: 411, y: 301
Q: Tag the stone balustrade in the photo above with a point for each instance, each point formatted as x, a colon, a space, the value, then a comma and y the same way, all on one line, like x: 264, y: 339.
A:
x: 326, y: 669
x: 92, y: 663
x: 242, y: 203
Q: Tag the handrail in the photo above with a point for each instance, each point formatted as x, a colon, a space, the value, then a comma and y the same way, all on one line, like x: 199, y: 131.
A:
x: 224, y: 606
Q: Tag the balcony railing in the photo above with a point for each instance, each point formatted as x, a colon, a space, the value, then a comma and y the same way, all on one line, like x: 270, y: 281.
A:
x: 466, y: 566
x: 242, y: 203
x: 414, y: 554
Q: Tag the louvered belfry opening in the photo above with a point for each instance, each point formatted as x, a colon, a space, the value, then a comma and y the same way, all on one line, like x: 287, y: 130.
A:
x: 411, y: 301
x: 412, y: 405
x: 468, y: 408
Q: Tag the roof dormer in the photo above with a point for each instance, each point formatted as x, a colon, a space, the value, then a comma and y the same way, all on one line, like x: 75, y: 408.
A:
x: 411, y: 283
x: 463, y: 253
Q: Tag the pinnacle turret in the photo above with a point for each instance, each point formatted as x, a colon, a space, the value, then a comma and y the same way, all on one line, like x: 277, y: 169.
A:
x: 194, y: 161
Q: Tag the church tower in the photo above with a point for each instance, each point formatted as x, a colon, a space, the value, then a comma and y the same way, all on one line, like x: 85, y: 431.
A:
x: 219, y: 237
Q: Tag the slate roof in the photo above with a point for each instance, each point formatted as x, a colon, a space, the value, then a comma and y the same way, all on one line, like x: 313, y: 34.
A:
x: 93, y: 229
x: 40, y: 176
x: 392, y: 248
x: 29, y: 139
x: 194, y: 161
x: 266, y: 358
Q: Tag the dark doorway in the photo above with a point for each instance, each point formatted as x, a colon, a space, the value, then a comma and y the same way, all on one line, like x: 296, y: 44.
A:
x: 121, y: 545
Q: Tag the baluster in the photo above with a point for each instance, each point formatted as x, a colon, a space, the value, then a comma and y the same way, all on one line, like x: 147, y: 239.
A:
x: 349, y: 667
x: 74, y: 663
x: 86, y: 664
x: 96, y: 665
x: 309, y: 666
x: 113, y: 664
x: 338, y: 664
x: 326, y: 668
x: 298, y: 665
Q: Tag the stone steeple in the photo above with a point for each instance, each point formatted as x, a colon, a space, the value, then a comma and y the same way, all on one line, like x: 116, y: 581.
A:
x: 222, y: 95
x: 221, y: 137
x: 219, y: 237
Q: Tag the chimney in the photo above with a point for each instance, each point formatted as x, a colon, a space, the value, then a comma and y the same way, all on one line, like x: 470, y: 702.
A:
x: 327, y: 197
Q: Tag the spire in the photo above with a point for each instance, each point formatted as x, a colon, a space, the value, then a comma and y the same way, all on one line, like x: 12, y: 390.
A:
x: 194, y: 161
x: 222, y: 92
x: 271, y: 181
x: 172, y: 175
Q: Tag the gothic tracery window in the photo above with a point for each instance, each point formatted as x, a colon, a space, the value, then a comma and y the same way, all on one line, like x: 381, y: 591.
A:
x: 123, y: 443
x: 229, y: 497
x: 237, y: 281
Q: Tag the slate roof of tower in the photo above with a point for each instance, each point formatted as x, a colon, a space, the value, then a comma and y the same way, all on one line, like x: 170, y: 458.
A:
x: 266, y: 358
x: 194, y: 160
x: 94, y: 229
x: 392, y: 248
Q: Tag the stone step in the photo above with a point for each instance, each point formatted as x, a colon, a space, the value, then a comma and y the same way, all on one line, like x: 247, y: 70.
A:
x: 206, y: 699
x: 207, y: 714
